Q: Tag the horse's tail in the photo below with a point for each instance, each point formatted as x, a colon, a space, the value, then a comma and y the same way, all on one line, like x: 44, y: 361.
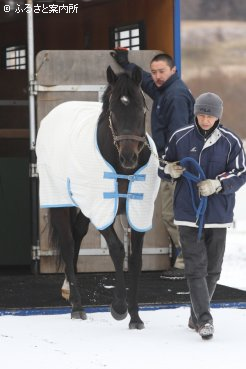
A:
x: 60, y: 223
x: 53, y: 239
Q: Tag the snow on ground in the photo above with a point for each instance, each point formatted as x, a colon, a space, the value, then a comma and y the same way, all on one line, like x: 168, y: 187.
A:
x: 57, y: 342
x: 234, y: 265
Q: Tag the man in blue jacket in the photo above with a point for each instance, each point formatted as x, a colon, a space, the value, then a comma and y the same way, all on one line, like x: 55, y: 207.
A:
x: 221, y: 156
x: 172, y: 109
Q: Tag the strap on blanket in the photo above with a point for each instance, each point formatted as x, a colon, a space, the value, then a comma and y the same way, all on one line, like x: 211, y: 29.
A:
x: 132, y: 196
x: 200, y: 210
x: 131, y: 178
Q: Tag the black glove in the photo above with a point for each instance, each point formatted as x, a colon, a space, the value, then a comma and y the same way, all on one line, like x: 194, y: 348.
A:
x: 120, y: 55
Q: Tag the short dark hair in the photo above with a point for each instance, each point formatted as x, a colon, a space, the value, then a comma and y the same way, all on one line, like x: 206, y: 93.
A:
x: 164, y: 57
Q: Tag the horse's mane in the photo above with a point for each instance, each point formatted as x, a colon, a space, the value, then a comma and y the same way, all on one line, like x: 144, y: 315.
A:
x: 105, y: 99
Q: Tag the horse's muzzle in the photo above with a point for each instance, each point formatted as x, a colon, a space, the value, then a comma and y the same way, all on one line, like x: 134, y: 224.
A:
x: 129, y: 162
x: 128, y: 154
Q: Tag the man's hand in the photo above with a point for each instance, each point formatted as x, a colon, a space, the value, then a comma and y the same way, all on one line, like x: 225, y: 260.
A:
x: 120, y: 55
x: 209, y: 187
x: 174, y: 169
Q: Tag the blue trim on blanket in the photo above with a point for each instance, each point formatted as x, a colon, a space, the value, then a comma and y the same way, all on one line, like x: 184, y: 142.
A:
x: 57, y: 206
x: 70, y: 194
x: 116, y: 202
x: 151, y: 143
x: 127, y: 203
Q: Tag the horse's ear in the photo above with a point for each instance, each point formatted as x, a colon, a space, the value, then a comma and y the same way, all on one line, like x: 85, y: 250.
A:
x: 137, y: 75
x: 111, y: 76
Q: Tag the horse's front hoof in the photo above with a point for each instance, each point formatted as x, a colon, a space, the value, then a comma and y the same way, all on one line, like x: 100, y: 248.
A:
x: 136, y: 325
x: 117, y: 316
x: 78, y: 314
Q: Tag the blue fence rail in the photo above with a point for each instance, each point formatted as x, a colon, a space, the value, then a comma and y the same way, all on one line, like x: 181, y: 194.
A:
x: 102, y: 309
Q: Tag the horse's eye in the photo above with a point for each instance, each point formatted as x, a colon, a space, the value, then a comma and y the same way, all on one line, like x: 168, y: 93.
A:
x: 124, y: 100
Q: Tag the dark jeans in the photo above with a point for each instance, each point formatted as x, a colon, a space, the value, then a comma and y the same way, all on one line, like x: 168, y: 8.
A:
x: 203, y: 261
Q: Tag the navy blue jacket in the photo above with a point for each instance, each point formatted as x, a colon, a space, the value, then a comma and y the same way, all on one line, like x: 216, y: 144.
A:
x: 221, y: 156
x: 172, y: 107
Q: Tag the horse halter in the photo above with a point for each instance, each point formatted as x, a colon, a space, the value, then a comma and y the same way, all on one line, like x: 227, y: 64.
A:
x: 117, y: 138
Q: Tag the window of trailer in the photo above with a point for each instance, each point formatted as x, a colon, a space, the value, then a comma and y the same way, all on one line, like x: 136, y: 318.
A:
x: 15, y: 57
x: 129, y: 36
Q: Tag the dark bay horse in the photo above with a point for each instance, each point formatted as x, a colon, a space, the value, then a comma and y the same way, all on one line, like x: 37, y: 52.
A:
x: 124, y: 145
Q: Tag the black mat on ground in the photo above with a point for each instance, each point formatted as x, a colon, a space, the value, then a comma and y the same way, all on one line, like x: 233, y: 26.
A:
x: 43, y: 290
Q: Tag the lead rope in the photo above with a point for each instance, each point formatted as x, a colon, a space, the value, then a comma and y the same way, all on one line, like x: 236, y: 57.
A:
x: 201, y: 208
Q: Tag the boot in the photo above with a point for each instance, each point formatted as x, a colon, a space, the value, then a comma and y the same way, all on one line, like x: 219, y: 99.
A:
x: 192, y: 324
x: 206, y: 331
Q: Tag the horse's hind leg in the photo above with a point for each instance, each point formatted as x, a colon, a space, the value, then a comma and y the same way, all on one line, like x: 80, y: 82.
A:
x: 80, y: 225
x: 117, y: 253
x: 80, y: 229
x: 62, y: 235
x: 135, y: 266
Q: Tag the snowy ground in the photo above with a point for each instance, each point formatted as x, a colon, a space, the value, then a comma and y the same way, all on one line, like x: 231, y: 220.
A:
x: 57, y: 342
x: 234, y: 265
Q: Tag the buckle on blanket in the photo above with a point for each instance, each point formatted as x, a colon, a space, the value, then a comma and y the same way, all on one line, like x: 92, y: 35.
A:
x: 132, y: 196
x: 131, y: 178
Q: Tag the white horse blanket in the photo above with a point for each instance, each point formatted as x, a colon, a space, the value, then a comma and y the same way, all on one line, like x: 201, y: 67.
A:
x: 72, y: 171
